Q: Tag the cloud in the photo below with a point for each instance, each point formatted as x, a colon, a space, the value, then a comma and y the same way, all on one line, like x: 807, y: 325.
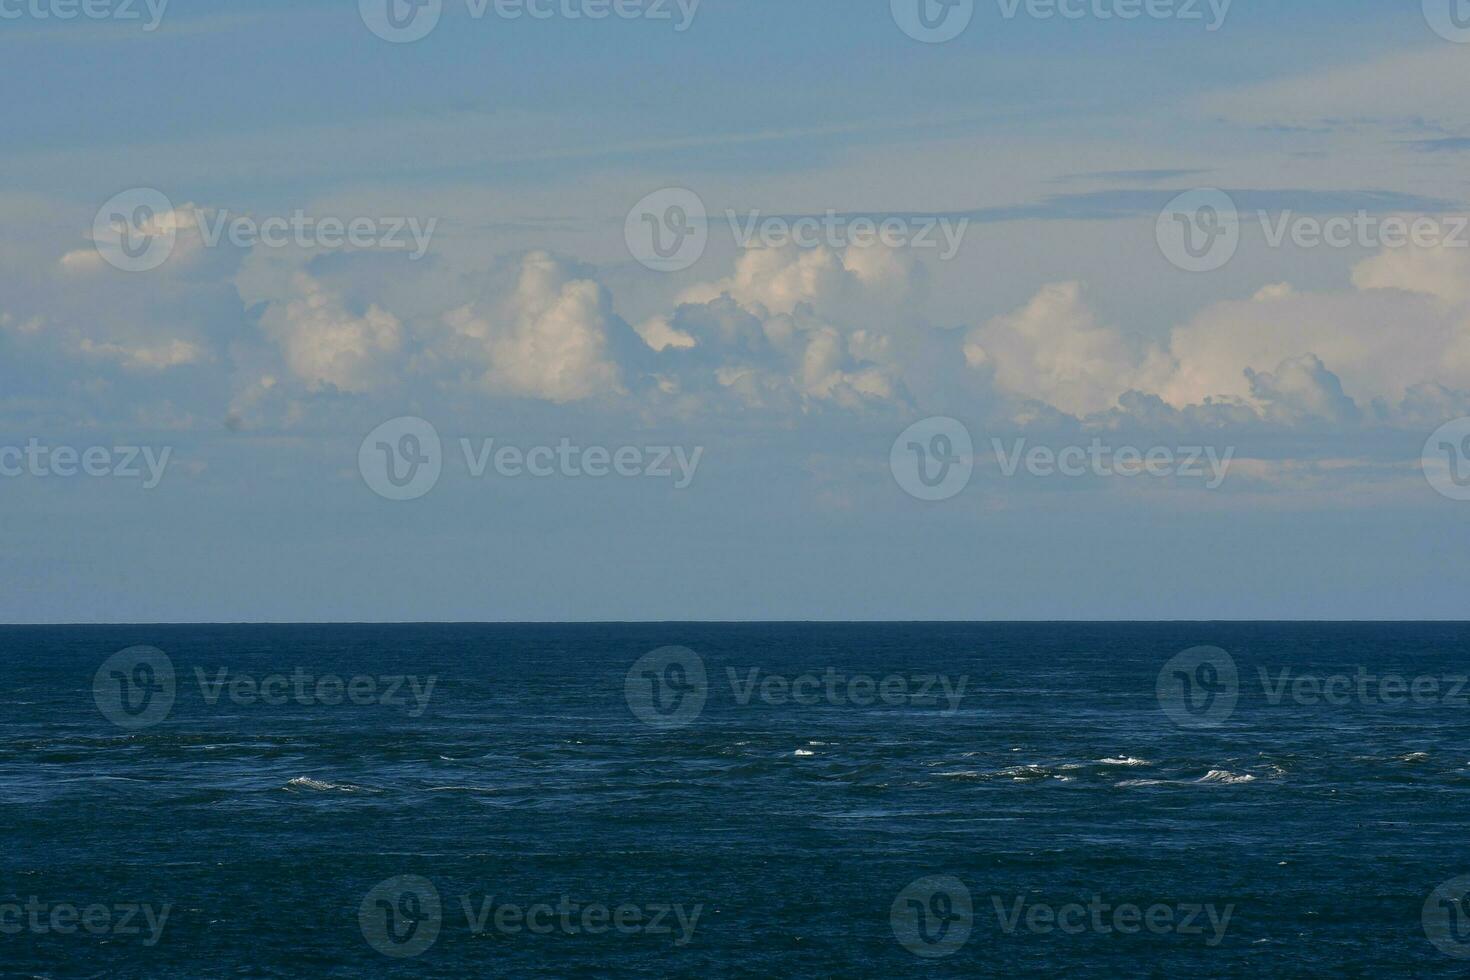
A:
x: 792, y: 329
x: 175, y: 353
x: 1301, y: 389
x: 85, y: 344
x: 1443, y: 273
x: 659, y: 333
x: 188, y: 252
x: 274, y: 335
x: 1398, y: 341
x: 839, y: 282
x: 553, y: 338
x: 1053, y: 350
x: 31, y: 325
x: 325, y: 344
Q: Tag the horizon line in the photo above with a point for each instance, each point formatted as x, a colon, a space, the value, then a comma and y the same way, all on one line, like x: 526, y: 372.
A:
x: 748, y: 622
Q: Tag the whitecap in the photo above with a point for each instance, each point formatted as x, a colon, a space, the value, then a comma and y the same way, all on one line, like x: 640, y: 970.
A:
x: 1225, y: 777
x: 322, y: 786
x: 1024, y: 772
x: 1126, y: 760
x: 803, y: 752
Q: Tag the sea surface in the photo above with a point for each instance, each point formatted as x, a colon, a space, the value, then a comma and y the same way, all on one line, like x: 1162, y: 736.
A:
x: 761, y: 800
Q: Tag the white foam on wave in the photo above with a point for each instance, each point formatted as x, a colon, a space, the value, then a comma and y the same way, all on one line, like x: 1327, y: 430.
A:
x: 1225, y: 777
x: 1126, y: 760
x: 1024, y: 772
x: 322, y: 786
x: 1009, y: 772
x: 1215, y: 777
x: 803, y: 752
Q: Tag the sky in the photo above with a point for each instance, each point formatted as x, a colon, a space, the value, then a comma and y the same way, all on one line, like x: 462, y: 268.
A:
x: 546, y: 310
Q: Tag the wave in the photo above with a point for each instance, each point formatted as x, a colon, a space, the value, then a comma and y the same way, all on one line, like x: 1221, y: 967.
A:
x: 322, y: 786
x: 1024, y: 772
x: 1225, y: 777
x: 1215, y: 777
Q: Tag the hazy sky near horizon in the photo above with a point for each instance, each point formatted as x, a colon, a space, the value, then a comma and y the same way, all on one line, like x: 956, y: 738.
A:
x: 1061, y: 281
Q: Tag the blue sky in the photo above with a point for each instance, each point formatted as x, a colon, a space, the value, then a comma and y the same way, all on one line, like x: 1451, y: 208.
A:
x: 1055, y: 149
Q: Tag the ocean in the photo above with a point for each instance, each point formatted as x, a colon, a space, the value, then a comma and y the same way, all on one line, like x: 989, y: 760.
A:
x: 795, y: 800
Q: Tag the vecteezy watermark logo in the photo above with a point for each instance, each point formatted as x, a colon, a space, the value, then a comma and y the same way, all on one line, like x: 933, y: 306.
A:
x: 668, y: 230
x: 933, y: 459
x: 1364, y: 230
x: 305, y: 688
x: 401, y: 21
x: 933, y: 916
x: 401, y: 916
x: 1446, y: 918
x: 1199, y: 687
x: 570, y: 461
x: 389, y: 234
x: 135, y: 230
x: 666, y: 688
x: 1100, y: 917
x: 121, y: 10
x: 1180, y: 10
x: 1450, y: 19
x: 1199, y: 230
x: 401, y: 459
x: 1101, y: 460
x: 405, y: 21
x: 836, y: 688
x: 839, y: 231
x: 1363, y: 687
x: 135, y: 688
x: 124, y: 919
x: 932, y: 21
x: 572, y: 917
x: 122, y: 462
x: 1446, y: 459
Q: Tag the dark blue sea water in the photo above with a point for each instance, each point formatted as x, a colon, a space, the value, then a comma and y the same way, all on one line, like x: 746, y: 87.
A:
x: 1001, y: 799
